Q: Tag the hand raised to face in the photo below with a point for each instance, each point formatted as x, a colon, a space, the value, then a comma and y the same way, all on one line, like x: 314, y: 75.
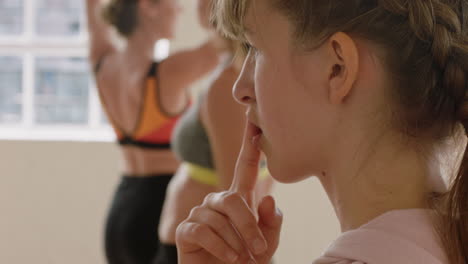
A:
x: 224, y: 229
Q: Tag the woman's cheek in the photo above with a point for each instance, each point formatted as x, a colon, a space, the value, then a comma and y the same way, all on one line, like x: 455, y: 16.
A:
x: 262, y: 75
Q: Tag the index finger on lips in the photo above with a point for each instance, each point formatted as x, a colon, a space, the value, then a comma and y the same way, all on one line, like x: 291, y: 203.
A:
x: 246, y: 171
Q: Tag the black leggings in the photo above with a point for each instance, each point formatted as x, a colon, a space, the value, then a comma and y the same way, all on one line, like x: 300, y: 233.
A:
x: 131, y: 234
x: 167, y: 254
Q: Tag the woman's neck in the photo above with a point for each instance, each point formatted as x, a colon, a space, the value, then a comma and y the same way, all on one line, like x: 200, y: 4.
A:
x: 376, y: 177
x: 139, y: 49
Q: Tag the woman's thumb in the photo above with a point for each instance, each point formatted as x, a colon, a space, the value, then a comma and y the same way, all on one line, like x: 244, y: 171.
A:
x: 270, y: 220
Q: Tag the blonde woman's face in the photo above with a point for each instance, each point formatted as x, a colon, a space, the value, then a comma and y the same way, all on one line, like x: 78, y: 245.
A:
x: 285, y: 91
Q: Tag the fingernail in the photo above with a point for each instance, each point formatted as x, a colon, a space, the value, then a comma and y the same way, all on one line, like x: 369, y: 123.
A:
x: 279, y: 212
x: 258, y: 246
x: 232, y: 257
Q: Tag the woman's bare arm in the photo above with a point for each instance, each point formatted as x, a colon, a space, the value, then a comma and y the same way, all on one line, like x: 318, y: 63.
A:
x: 183, y: 68
x: 100, y: 36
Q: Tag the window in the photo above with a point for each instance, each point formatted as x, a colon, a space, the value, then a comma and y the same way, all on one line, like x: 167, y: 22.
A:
x: 11, y: 17
x: 61, y: 94
x: 46, y: 88
x: 11, y: 72
x: 59, y: 17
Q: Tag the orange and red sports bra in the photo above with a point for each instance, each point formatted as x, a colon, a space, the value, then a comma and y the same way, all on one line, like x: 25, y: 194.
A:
x: 154, y: 127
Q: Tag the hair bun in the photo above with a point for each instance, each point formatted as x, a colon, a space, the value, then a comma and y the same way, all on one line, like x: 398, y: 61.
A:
x: 123, y: 15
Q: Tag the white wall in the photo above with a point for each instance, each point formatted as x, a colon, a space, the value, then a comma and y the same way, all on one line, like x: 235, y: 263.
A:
x: 54, y: 197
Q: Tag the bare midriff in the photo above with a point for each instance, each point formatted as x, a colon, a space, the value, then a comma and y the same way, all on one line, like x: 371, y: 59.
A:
x: 140, y: 162
x: 182, y: 195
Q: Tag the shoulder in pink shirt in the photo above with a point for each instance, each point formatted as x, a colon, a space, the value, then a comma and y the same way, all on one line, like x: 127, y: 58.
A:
x: 396, y: 237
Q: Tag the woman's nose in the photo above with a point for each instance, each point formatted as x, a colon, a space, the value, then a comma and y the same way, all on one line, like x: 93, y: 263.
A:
x: 244, y: 88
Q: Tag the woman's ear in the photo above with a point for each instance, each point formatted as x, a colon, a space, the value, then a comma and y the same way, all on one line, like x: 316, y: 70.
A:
x: 343, y: 66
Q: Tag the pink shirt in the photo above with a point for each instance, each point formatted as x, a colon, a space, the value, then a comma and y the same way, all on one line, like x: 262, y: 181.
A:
x: 396, y: 237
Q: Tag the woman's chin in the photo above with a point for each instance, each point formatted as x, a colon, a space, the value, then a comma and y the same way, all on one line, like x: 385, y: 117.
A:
x: 284, y: 174
x: 278, y: 174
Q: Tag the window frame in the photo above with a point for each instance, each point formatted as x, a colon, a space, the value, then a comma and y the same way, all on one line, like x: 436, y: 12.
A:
x: 29, y: 46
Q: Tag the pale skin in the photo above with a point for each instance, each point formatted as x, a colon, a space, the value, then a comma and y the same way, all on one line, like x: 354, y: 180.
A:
x: 320, y: 112
x: 123, y: 71
x: 224, y: 120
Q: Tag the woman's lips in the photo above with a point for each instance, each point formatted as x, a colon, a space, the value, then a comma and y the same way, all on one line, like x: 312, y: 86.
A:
x: 258, y: 130
x: 257, y: 135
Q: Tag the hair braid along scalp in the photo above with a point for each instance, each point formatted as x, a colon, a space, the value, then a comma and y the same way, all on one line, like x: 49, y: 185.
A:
x: 438, y: 28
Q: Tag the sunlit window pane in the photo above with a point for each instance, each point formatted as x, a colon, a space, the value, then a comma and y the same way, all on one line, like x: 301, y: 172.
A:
x: 61, y: 91
x: 59, y: 17
x: 11, y: 17
x: 10, y: 89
